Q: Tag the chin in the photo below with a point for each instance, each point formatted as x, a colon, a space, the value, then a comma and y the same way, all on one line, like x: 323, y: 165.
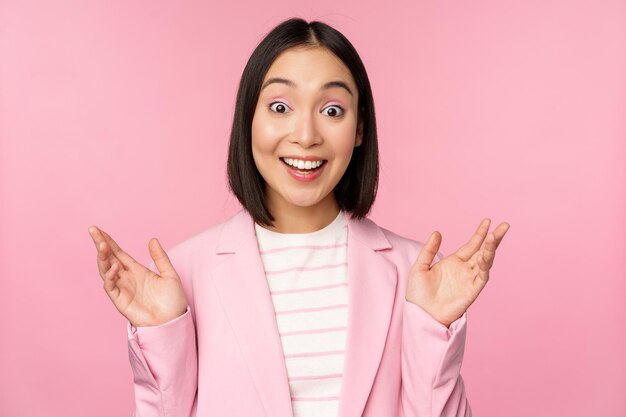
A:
x: 304, y: 200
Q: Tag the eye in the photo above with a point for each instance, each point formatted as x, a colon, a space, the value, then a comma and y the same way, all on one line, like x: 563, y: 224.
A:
x: 334, y: 111
x: 279, y: 107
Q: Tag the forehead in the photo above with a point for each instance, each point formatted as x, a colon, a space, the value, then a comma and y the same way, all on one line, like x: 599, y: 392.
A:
x: 310, y: 66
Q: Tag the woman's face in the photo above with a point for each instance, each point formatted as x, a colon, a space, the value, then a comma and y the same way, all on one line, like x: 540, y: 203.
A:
x: 306, y: 115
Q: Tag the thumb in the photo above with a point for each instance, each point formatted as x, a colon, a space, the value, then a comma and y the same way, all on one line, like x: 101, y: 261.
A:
x: 161, y: 260
x: 428, y: 252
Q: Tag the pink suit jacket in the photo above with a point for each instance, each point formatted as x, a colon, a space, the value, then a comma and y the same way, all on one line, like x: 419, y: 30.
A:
x: 224, y: 358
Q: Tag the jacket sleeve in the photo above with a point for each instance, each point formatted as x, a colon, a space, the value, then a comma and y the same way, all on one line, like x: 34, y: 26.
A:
x: 165, y: 368
x: 432, y: 355
x: 164, y: 363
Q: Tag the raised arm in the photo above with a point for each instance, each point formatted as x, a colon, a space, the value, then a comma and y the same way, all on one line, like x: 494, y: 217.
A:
x: 164, y: 362
x: 435, y: 322
x: 432, y: 385
x: 161, y: 332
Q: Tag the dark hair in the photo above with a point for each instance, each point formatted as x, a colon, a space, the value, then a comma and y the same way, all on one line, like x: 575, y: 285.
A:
x: 356, y: 191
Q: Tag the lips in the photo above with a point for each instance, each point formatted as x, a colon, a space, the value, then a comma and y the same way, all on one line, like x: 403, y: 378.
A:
x: 304, y: 175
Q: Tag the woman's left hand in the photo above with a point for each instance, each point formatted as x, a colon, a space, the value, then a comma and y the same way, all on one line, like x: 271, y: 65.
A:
x: 447, y: 289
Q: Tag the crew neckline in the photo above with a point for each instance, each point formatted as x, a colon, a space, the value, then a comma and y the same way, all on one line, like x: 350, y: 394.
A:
x: 330, y: 229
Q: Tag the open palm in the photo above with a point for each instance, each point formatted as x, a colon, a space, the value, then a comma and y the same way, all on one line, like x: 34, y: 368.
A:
x: 451, y: 285
x: 142, y: 296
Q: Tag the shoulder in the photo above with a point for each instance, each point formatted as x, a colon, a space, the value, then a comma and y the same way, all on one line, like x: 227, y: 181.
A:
x: 201, y: 244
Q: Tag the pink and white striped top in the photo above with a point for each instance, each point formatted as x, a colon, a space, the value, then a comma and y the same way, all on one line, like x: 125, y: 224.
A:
x: 307, y: 277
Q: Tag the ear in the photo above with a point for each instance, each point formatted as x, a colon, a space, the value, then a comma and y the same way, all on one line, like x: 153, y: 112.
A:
x: 359, y: 134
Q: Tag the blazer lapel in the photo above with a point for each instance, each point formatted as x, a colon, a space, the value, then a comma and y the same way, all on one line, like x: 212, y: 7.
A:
x: 372, y: 282
x: 245, y: 296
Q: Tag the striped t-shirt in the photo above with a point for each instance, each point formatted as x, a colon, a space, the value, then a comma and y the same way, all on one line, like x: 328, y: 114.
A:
x: 307, y: 278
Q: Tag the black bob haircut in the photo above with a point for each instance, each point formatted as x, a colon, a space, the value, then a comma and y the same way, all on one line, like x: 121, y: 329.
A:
x: 356, y: 191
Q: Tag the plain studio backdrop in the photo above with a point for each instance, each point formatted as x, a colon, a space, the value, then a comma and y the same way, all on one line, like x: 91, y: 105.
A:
x: 118, y: 113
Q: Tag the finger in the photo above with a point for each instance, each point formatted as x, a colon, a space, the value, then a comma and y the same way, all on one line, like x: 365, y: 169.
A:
x: 105, y: 255
x: 466, y: 251
x: 125, y: 259
x: 110, y: 277
x: 94, y: 232
x: 161, y: 260
x: 488, y: 253
x: 104, y: 258
x: 483, y: 271
x: 492, y: 242
x: 500, y: 232
x: 428, y: 252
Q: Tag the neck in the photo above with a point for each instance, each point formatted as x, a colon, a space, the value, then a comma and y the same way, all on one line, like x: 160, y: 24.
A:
x: 296, y: 219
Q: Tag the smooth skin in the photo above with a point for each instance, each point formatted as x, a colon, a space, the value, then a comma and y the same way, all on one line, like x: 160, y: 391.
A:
x: 140, y: 295
x: 450, y: 286
x: 302, y: 118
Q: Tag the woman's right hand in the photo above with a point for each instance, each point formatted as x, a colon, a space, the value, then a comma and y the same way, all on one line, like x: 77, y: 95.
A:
x: 143, y: 297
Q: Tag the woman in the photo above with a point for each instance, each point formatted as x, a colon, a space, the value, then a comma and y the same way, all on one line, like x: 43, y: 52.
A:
x: 298, y: 304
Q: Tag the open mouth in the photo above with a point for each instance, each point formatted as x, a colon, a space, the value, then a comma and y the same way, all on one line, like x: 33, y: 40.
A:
x: 304, y: 170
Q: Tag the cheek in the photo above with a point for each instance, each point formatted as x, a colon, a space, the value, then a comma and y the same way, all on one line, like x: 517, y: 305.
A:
x: 264, y: 144
x: 259, y: 135
x: 346, y: 139
x: 265, y: 134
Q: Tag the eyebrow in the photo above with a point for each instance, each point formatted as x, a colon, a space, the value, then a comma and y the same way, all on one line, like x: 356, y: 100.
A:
x: 328, y: 85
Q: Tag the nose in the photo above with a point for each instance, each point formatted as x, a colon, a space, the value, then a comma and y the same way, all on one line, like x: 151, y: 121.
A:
x: 305, y: 130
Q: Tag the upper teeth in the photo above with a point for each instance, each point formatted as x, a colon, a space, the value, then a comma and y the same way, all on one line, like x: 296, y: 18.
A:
x: 300, y: 164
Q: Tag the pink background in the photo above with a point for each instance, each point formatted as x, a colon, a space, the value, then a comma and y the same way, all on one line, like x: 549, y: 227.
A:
x: 118, y: 114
